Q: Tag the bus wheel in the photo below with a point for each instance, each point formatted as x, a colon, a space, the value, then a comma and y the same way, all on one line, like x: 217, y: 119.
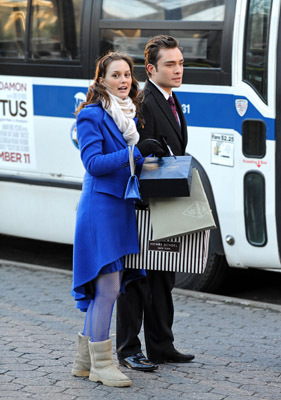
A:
x: 210, y: 280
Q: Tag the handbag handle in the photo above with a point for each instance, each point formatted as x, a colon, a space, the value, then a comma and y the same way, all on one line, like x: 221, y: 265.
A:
x: 132, y: 189
x: 131, y: 159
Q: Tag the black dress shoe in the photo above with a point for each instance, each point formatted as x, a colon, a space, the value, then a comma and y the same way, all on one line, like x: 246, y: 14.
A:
x: 139, y: 363
x: 174, y: 356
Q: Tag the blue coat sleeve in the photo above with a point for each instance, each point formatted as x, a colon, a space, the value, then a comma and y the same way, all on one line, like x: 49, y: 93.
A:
x: 96, y: 160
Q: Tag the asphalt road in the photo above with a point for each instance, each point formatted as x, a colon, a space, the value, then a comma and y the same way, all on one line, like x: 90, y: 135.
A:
x: 246, y: 284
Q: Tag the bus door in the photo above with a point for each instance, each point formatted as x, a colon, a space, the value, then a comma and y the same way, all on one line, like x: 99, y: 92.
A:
x: 278, y: 140
x: 251, y: 234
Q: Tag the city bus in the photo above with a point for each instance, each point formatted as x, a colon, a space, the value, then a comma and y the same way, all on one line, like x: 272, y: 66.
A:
x: 231, y: 97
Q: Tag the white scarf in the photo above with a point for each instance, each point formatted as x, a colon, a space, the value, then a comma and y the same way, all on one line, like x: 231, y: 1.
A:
x: 122, y: 113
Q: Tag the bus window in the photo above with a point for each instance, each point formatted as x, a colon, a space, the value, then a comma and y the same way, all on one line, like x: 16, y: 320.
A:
x: 54, y: 29
x: 201, y: 48
x: 254, y: 138
x: 254, y: 198
x: 12, y: 29
x: 185, y: 10
x: 256, y: 45
x: 53, y: 34
x: 198, y: 25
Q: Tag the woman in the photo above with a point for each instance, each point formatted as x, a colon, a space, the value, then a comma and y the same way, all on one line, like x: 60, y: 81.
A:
x: 106, y: 225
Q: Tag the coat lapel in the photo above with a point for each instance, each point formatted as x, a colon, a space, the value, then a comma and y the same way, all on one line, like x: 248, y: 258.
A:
x: 165, y: 107
x: 113, y: 129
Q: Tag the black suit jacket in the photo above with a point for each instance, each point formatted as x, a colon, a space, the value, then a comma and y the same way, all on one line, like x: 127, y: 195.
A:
x: 159, y: 120
x: 152, y: 296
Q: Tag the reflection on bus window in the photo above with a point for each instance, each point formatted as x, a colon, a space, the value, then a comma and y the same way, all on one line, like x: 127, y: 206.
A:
x: 184, y: 10
x: 200, y: 48
x: 12, y: 28
x: 256, y: 50
x: 54, y: 29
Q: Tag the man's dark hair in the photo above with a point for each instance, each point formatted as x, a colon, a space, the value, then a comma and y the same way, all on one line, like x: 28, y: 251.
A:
x: 154, y: 45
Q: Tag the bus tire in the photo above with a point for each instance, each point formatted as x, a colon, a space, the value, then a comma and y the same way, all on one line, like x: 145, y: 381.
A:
x: 210, y: 280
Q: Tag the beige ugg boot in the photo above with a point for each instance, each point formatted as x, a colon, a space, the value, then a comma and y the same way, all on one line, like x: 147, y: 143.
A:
x: 102, y: 367
x: 82, y: 363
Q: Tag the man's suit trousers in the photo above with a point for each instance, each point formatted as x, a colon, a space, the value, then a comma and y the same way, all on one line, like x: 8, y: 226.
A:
x: 149, y: 298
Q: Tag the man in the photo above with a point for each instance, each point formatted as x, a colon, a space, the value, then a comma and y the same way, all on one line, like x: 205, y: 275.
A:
x: 152, y: 296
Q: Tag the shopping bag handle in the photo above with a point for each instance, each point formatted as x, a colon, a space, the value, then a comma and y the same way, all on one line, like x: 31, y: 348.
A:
x: 168, y: 147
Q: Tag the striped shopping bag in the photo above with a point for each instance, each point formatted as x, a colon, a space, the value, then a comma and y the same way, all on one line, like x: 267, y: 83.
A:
x: 186, y: 253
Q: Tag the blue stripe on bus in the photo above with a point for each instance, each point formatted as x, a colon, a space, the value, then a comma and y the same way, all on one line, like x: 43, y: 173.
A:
x: 210, y: 110
x: 55, y: 101
x: 218, y: 111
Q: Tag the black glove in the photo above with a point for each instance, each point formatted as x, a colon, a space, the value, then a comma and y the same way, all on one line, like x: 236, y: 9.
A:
x: 151, y: 146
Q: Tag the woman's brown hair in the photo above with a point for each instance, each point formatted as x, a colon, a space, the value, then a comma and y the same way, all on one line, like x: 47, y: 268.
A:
x: 98, y: 92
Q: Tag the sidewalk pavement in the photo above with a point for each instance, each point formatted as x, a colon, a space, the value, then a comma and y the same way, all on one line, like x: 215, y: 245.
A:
x: 237, y: 345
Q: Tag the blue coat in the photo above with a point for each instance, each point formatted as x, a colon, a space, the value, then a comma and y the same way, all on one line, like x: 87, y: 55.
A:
x: 106, y: 227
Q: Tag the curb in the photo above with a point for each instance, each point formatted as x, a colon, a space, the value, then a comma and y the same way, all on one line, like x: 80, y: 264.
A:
x: 34, y: 267
x: 228, y: 300
x: 183, y: 292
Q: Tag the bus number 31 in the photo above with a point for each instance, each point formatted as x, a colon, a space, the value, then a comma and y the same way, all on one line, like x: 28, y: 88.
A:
x: 185, y: 108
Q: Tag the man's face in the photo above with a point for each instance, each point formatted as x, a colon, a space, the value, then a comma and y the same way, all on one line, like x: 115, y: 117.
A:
x: 169, y: 69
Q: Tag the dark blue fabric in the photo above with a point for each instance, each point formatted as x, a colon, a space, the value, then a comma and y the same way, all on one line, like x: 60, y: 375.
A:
x: 106, y: 227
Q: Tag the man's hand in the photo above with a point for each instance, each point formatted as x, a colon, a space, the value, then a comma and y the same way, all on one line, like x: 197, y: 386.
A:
x: 151, y: 146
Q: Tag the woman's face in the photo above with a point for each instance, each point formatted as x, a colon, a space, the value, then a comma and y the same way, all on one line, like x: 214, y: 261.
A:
x: 118, y: 79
